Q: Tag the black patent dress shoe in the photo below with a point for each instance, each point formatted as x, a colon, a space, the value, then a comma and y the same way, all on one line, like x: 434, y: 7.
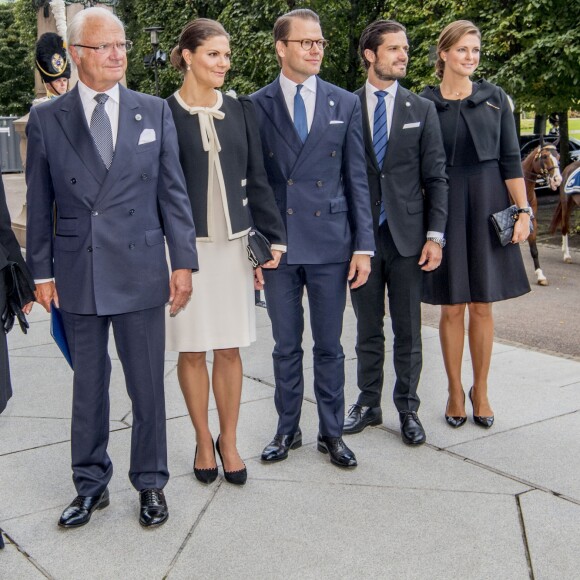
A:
x: 154, y: 511
x: 278, y: 448
x: 339, y: 453
x: 205, y: 474
x: 79, y: 512
x: 412, y: 431
x: 485, y: 422
x: 237, y: 477
x: 455, y: 422
x: 359, y: 417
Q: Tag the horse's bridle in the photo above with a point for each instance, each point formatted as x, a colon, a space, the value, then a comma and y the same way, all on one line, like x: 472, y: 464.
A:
x: 546, y: 171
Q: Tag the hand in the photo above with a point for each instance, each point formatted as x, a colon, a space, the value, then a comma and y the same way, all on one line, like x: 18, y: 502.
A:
x: 258, y: 278
x: 27, y: 308
x: 360, y: 268
x: 45, y: 293
x: 430, y: 256
x: 180, y: 289
x: 521, y: 228
x: 273, y: 264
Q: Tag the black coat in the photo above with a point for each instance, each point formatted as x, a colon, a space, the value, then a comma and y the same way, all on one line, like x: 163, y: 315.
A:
x: 491, y: 125
x: 9, y: 252
x: 242, y: 164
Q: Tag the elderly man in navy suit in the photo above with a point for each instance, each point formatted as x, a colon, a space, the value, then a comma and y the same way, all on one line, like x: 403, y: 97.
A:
x: 314, y: 156
x: 105, y: 190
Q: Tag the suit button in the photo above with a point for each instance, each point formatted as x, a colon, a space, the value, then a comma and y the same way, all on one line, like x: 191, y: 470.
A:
x: 94, y: 213
x: 378, y: 202
x: 333, y: 154
x: 382, y: 175
x: 289, y: 211
x: 73, y: 180
x: 131, y: 211
x: 131, y: 246
x: 319, y: 183
x: 90, y: 249
x: 144, y: 176
x: 290, y: 182
x: 271, y: 154
x: 317, y: 213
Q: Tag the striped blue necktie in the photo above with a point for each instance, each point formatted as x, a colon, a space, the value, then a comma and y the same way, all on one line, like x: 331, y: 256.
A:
x: 380, y: 138
x: 300, y: 115
x: 101, y: 130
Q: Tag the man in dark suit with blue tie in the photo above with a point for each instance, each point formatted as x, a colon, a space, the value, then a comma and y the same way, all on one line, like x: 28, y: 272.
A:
x: 105, y: 192
x: 408, y: 187
x: 314, y: 156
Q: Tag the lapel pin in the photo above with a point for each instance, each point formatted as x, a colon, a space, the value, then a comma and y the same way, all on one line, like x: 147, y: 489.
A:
x: 138, y: 117
x: 331, y: 103
x: 407, y: 104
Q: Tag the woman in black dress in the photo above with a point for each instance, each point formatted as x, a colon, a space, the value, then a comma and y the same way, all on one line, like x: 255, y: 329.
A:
x: 221, y: 156
x: 484, y: 168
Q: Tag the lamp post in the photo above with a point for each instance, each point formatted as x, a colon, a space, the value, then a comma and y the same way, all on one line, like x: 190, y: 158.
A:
x: 158, y: 57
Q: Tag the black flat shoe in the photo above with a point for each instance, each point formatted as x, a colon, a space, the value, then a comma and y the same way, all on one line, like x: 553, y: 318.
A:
x: 154, y: 511
x: 237, y: 477
x: 359, y: 418
x: 412, y: 431
x: 485, y: 422
x: 278, y: 448
x: 339, y: 453
x: 206, y: 474
x: 455, y: 422
x: 79, y: 512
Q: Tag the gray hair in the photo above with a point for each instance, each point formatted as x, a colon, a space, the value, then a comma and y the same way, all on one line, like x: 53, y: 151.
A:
x: 77, y: 24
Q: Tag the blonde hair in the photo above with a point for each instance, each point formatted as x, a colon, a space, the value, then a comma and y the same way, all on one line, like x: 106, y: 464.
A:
x: 449, y: 36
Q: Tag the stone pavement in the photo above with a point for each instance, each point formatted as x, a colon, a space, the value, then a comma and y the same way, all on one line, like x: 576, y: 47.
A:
x: 503, y: 503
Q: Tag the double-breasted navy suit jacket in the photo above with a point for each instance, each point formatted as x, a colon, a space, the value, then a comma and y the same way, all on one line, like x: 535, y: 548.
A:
x: 321, y: 185
x: 104, y: 243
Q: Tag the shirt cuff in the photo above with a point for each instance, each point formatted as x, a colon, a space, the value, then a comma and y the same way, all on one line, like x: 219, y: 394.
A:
x: 431, y: 234
x: 279, y: 247
x: 364, y: 253
x: 43, y: 280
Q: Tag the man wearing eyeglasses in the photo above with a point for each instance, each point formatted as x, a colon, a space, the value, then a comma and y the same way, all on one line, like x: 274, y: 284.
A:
x: 105, y: 192
x: 314, y: 156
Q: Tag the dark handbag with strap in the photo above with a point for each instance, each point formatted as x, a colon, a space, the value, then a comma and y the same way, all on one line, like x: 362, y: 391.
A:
x: 258, y: 248
x: 18, y: 293
x: 503, y: 223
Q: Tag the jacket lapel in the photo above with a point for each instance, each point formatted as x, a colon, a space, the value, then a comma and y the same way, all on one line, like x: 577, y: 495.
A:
x: 72, y: 119
x: 400, y: 113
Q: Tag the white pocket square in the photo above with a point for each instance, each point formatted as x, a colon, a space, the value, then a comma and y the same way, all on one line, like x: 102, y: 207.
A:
x: 411, y: 125
x: 336, y: 122
x: 147, y: 136
x: 244, y: 182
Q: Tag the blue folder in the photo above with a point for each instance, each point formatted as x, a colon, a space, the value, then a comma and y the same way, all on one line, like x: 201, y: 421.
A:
x: 58, y: 334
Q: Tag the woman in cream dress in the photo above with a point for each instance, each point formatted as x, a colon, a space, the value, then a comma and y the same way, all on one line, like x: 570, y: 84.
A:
x: 221, y: 156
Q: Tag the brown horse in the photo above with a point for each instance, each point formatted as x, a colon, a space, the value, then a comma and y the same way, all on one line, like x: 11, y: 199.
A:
x: 564, y: 209
x: 544, y: 161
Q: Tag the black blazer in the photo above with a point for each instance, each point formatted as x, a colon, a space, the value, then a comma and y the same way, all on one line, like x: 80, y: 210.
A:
x: 490, y: 121
x: 412, y: 181
x: 9, y: 252
x: 242, y: 164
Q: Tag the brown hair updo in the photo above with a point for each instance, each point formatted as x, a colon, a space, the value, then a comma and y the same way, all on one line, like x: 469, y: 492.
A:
x: 193, y: 35
x: 449, y: 36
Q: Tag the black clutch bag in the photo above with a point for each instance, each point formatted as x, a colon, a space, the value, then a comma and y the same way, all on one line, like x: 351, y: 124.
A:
x: 258, y: 248
x: 503, y: 223
x: 18, y: 293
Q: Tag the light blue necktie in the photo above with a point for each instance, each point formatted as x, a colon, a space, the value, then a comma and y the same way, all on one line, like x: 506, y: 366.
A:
x: 300, y: 121
x: 380, y: 138
x: 101, y: 130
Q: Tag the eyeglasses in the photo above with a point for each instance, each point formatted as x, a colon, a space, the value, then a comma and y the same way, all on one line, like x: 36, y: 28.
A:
x: 307, y: 44
x: 108, y: 48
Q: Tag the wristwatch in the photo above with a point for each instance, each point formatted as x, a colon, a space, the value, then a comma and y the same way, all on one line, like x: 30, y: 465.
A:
x: 527, y: 210
x: 439, y: 241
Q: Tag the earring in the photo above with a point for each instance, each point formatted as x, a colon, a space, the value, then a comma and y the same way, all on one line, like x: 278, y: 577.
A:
x: 188, y: 67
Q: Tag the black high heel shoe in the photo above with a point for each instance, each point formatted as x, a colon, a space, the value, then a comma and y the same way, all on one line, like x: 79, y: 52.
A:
x: 207, y: 474
x: 455, y: 422
x: 485, y: 422
x: 237, y: 477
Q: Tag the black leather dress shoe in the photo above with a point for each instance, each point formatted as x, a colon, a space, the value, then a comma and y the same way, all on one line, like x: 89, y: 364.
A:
x: 485, y: 422
x: 412, y: 431
x: 79, y: 512
x: 359, y: 417
x: 278, y: 448
x: 339, y: 453
x: 154, y: 511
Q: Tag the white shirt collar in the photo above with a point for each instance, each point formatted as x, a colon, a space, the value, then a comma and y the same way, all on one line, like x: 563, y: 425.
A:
x: 289, y: 86
x: 392, y: 90
x: 88, y: 94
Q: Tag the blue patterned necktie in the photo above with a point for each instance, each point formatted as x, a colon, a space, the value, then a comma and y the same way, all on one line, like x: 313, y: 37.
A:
x: 300, y: 121
x: 380, y: 138
x: 101, y: 130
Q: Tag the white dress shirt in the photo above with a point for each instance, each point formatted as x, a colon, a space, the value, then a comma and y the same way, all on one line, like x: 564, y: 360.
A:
x: 308, y: 93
